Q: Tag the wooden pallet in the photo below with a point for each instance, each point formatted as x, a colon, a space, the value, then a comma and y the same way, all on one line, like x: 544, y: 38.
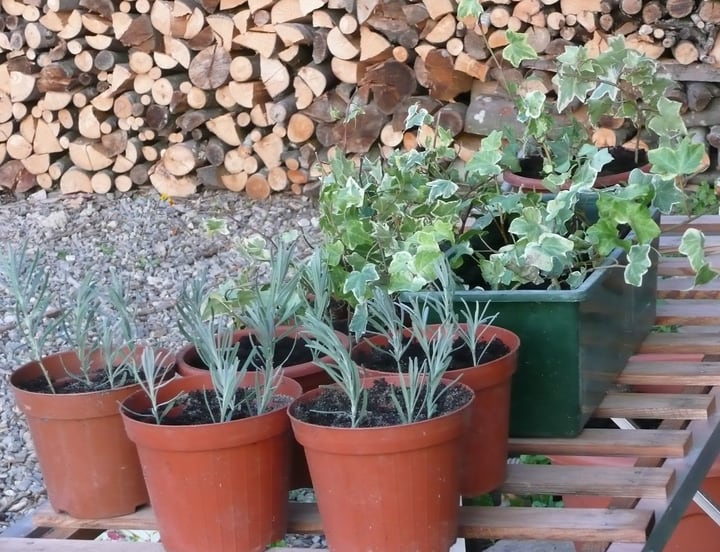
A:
x: 648, y: 499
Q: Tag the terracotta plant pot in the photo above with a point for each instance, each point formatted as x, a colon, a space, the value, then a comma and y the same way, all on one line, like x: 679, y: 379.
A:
x: 308, y: 374
x: 90, y: 467
x: 485, y: 442
x: 388, y: 488
x: 220, y: 487
x: 695, y: 532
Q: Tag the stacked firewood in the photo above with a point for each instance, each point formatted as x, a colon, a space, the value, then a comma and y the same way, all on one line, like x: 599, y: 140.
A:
x: 253, y: 95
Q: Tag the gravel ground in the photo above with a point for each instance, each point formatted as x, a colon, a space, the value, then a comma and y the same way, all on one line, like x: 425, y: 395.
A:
x: 154, y: 246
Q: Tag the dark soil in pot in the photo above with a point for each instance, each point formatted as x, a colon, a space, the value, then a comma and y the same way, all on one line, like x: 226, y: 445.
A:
x: 623, y: 161
x: 288, y: 350
x: 97, y: 380
x: 195, y: 407
x: 331, y: 407
x: 380, y: 359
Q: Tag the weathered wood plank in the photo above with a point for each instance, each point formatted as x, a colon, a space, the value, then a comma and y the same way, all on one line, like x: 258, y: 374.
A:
x: 677, y: 224
x: 670, y: 373
x: 652, y: 406
x: 688, y: 312
x: 587, y: 524
x: 525, y: 479
x: 708, y: 343
x: 475, y: 522
x: 609, y: 442
x: 680, y: 266
x: 683, y: 287
x: 60, y: 545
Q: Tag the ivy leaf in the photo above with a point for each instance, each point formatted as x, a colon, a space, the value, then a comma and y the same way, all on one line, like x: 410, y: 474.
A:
x: 441, y: 188
x: 334, y: 252
x: 549, y: 252
x: 357, y: 281
x: 355, y: 234
x: 667, y: 194
x: 603, y: 234
x: 486, y: 161
x: 359, y: 320
x: 682, y: 159
x: 518, y: 49
x: 350, y: 195
x: 494, y: 271
x: 692, y: 245
x: 667, y: 122
x: 417, y: 117
x: 469, y: 8
x: 528, y: 224
x: 531, y: 106
x: 575, y: 279
x: 638, y: 264
x: 403, y: 273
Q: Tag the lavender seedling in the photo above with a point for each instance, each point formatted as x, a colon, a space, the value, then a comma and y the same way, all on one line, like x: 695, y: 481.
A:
x: 26, y: 279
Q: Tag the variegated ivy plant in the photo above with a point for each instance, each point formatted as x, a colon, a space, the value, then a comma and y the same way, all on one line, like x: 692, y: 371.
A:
x: 622, y: 83
x: 388, y: 221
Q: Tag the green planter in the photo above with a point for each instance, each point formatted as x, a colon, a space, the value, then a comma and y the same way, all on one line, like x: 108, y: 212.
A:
x: 572, y: 345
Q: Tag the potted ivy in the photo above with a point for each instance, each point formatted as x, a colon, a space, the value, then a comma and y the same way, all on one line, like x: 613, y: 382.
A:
x: 222, y: 438
x: 547, y: 268
x: 395, y: 436
x: 70, y: 399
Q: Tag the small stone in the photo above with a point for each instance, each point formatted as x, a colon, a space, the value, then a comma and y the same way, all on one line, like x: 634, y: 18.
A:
x: 19, y: 505
x: 55, y: 221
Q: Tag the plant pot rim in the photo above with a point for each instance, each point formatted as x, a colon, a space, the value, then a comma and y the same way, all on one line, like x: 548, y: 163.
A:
x: 205, y: 435
x: 291, y: 370
x: 508, y: 338
x: 32, y: 369
x: 311, y: 394
x: 517, y: 181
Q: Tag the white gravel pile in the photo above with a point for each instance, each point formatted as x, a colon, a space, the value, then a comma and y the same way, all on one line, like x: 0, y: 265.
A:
x: 154, y: 246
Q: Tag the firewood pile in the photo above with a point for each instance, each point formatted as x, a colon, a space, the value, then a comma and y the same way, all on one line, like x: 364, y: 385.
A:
x: 253, y: 95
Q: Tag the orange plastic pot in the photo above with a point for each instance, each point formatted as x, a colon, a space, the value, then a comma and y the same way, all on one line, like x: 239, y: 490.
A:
x: 90, y: 467
x: 216, y: 487
x: 485, y: 442
x: 308, y: 374
x: 387, y: 488
x: 695, y: 531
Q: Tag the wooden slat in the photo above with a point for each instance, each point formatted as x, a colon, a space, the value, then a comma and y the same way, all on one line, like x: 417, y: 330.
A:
x: 588, y: 480
x: 475, y: 522
x: 676, y: 224
x: 59, y: 545
x: 608, y: 442
x: 491, y: 523
x: 303, y: 518
x: 708, y: 343
x: 701, y: 313
x: 655, y: 405
x: 587, y: 524
x: 682, y: 287
x: 671, y: 242
x: 671, y: 373
x: 679, y: 266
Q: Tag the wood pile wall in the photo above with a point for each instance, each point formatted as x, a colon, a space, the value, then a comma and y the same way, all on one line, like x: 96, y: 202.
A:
x: 101, y: 95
